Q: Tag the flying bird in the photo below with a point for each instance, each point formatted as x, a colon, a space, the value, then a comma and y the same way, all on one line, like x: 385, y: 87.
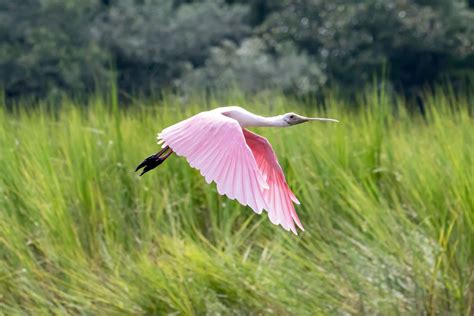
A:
x: 241, y: 163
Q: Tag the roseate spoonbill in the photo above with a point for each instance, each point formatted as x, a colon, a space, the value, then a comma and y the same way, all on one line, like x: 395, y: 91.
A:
x: 241, y: 163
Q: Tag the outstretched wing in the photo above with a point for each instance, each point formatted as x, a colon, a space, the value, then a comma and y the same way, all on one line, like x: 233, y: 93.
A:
x: 215, y: 145
x: 278, y: 197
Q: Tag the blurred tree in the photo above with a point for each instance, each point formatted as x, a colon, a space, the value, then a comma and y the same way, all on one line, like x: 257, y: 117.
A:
x: 351, y: 40
x: 258, y: 9
x: 252, y: 68
x: 154, y: 41
x: 298, y: 46
x: 46, y: 47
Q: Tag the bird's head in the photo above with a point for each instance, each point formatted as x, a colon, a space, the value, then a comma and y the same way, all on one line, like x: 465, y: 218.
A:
x: 291, y: 119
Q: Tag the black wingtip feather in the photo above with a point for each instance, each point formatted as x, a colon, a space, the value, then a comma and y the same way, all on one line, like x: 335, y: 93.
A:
x: 149, y: 163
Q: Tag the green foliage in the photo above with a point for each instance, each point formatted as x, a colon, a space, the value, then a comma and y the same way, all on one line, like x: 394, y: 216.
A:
x: 295, y: 46
x: 46, y: 48
x: 253, y: 69
x: 155, y: 41
x: 386, y: 200
x: 352, y: 40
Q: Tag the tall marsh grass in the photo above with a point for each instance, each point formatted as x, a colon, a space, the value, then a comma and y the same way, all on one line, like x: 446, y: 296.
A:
x: 386, y: 199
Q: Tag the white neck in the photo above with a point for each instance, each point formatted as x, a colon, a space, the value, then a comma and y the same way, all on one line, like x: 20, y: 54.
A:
x: 261, y: 121
x: 247, y: 119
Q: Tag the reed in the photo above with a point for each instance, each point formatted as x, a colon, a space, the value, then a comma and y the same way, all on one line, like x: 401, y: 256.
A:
x: 386, y: 199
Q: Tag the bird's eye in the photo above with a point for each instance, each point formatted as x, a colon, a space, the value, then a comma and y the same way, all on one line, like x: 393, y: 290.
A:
x: 292, y: 116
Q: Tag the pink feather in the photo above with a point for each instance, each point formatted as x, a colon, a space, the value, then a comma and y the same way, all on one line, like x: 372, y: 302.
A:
x: 241, y: 163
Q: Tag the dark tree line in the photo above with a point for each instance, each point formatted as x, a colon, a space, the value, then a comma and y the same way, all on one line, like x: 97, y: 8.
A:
x: 51, y: 47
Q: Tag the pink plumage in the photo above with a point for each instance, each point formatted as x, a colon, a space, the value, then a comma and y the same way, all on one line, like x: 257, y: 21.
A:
x: 278, y: 196
x: 241, y: 163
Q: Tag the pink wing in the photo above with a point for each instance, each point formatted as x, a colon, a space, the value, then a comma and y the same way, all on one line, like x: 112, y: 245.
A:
x: 215, y: 145
x: 278, y: 197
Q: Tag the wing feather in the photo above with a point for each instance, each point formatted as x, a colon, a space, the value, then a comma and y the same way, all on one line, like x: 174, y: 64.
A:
x: 241, y: 163
x: 239, y: 185
x: 279, y: 198
x: 217, y: 162
x: 215, y: 145
x: 272, y: 211
x: 226, y: 178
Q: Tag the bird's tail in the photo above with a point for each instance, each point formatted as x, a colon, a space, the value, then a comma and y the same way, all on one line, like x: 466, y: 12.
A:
x: 154, y: 160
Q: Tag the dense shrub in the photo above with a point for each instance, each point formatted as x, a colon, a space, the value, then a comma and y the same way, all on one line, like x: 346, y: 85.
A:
x: 253, y: 68
x: 156, y: 41
x: 46, y: 47
x: 420, y: 41
x: 298, y: 46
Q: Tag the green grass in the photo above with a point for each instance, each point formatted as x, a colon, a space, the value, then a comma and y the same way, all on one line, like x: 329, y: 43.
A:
x: 386, y: 199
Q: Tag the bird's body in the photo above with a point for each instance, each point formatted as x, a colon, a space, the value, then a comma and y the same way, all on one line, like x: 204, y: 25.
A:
x: 241, y: 163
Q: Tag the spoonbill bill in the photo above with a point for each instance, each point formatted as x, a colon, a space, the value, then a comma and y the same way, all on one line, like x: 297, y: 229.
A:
x: 241, y: 163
